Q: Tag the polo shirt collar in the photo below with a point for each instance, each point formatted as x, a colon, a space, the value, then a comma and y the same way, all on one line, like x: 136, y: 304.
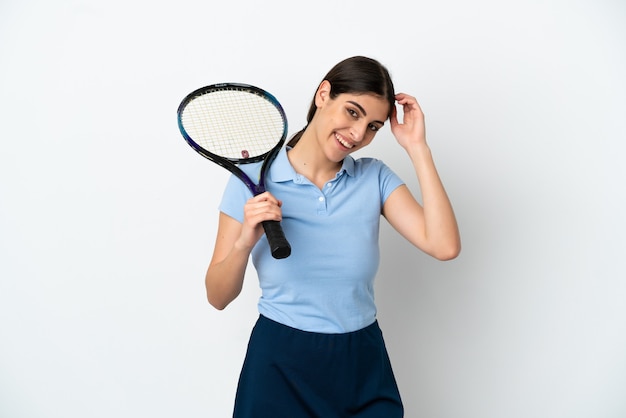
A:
x: 281, y: 169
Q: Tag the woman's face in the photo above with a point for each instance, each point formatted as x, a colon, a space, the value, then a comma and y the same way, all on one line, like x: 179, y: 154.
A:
x: 349, y: 122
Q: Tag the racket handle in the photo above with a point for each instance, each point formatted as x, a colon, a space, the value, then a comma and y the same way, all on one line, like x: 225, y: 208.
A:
x: 279, y: 246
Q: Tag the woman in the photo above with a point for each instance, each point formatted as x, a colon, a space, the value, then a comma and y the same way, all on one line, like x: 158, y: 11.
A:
x: 316, y: 349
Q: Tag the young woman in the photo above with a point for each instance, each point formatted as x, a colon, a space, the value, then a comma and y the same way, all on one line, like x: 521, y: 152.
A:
x: 316, y: 349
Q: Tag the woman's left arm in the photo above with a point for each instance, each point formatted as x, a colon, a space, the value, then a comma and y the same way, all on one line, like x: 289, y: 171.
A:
x: 431, y: 227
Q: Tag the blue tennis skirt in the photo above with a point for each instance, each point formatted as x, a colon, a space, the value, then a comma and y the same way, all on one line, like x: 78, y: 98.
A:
x: 289, y: 373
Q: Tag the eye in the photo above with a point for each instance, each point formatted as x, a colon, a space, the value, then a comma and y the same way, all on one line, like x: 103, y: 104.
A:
x: 373, y: 128
x: 353, y: 113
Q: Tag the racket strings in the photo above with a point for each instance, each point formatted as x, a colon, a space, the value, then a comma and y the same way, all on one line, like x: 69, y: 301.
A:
x: 233, y: 124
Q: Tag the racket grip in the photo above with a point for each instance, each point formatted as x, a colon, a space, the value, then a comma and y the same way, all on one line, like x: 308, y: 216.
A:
x: 279, y: 246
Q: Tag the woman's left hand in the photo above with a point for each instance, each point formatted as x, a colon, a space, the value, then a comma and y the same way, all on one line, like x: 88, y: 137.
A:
x: 412, y: 130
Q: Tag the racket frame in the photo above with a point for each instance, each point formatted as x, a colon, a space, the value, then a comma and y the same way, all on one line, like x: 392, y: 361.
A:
x: 272, y: 228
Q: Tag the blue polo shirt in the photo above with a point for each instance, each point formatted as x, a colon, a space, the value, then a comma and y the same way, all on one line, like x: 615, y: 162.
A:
x: 326, y: 285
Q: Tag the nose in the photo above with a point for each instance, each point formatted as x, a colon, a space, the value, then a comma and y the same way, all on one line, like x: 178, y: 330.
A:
x: 357, y: 131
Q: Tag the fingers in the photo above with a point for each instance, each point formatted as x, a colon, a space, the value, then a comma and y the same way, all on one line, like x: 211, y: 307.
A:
x: 409, y: 103
x: 266, y: 198
x: 258, y: 209
x: 403, y: 97
x: 410, y: 131
x: 264, y: 207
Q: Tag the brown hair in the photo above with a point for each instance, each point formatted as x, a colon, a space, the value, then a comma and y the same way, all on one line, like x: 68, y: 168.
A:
x: 356, y: 75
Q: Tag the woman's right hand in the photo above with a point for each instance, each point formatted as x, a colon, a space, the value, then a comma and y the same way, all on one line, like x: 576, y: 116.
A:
x: 264, y: 207
x: 233, y: 244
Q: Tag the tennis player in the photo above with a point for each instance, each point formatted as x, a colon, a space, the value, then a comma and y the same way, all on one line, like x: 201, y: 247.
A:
x: 317, y: 349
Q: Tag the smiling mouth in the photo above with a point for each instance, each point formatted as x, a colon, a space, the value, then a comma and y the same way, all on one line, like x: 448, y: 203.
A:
x: 343, y: 142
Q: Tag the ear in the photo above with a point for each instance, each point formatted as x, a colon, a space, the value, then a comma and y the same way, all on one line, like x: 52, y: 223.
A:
x: 322, y: 94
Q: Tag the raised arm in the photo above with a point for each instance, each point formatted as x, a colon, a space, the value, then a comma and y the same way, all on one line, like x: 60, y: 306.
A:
x: 431, y: 226
x: 233, y: 244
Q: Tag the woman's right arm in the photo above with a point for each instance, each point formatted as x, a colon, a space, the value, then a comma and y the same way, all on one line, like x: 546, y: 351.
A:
x: 233, y: 244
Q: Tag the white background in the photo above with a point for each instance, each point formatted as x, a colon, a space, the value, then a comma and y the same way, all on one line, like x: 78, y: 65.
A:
x: 107, y: 218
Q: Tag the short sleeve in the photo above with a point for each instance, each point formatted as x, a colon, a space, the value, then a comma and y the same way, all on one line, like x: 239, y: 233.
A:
x: 388, y: 181
x: 235, y: 196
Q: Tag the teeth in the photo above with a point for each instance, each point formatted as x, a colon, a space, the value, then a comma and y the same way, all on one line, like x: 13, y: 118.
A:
x: 342, y: 142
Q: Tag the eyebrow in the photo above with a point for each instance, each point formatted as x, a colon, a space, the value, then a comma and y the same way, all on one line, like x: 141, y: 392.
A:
x: 363, y: 111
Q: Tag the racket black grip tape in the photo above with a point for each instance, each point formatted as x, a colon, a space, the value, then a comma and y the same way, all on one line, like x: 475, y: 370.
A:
x: 279, y: 246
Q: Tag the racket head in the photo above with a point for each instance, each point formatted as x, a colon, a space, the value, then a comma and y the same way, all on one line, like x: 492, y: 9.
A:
x: 232, y: 123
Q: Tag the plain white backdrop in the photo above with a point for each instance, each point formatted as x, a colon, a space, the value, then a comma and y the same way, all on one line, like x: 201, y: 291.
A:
x: 107, y: 218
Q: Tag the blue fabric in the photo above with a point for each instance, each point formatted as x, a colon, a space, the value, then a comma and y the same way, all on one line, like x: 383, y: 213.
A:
x: 290, y: 373
x: 327, y: 283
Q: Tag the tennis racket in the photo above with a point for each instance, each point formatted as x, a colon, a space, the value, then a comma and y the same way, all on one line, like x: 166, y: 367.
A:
x: 233, y: 124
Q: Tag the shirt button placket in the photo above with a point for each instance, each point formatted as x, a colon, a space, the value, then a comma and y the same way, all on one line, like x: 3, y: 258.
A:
x: 321, y: 204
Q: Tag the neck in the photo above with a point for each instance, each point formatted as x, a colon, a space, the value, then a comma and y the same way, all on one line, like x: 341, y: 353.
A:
x: 308, y: 159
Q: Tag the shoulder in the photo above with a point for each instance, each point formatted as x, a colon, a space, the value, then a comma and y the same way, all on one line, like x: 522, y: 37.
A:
x: 365, y: 165
x: 366, y: 161
x: 375, y: 171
